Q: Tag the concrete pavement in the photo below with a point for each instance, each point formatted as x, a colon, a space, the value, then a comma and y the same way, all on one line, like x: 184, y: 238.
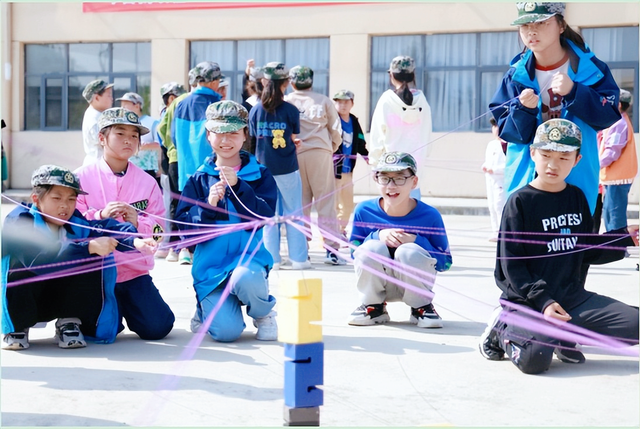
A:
x: 388, y: 375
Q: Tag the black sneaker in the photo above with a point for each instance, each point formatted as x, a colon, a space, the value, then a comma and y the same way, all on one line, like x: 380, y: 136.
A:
x: 425, y: 317
x: 367, y: 315
x: 569, y: 355
x: 489, y: 344
x: 334, y: 259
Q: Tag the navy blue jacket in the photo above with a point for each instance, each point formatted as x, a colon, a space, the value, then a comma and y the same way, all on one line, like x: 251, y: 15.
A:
x: 592, y: 104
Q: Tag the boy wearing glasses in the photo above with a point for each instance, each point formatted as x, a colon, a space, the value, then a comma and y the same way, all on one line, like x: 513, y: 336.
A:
x: 401, y: 238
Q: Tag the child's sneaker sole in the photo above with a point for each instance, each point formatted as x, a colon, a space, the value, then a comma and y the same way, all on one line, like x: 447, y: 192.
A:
x: 424, y: 322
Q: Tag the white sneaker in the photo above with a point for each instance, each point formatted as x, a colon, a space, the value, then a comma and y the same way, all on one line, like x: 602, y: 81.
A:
x: 306, y: 265
x: 16, y: 341
x: 267, y: 327
x: 172, y: 256
x: 276, y: 266
x: 68, y: 333
x: 184, y: 258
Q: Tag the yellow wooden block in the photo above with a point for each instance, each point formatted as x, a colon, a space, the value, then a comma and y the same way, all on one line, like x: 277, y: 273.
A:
x: 300, y: 302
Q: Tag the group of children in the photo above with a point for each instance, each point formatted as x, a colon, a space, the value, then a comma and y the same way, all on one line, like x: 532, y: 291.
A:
x: 65, y: 269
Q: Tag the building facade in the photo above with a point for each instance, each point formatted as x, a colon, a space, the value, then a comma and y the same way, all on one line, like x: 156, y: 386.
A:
x: 51, y: 50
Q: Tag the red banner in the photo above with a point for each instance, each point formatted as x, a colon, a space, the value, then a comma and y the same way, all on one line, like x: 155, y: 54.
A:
x: 139, y: 6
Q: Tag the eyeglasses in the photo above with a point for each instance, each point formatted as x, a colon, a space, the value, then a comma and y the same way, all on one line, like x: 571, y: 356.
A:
x: 385, y: 180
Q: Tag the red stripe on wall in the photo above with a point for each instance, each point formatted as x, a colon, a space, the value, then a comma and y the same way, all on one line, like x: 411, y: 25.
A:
x: 154, y: 6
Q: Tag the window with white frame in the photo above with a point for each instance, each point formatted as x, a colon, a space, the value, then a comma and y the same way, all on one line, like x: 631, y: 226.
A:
x: 458, y: 73
x: 232, y: 56
x: 618, y: 47
x: 56, y: 74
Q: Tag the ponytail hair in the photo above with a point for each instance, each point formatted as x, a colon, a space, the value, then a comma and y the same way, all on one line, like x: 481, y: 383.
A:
x: 570, y: 34
x: 272, y: 95
x: 404, y: 92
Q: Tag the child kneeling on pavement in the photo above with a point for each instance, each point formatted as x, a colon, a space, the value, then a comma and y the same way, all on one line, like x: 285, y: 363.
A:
x: 61, y: 265
x: 545, y: 247
x: 230, y: 188
x: 401, y: 237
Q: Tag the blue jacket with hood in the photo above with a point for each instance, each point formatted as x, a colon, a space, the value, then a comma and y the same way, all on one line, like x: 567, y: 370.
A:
x: 592, y: 104
x: 215, y: 259
x: 28, y: 242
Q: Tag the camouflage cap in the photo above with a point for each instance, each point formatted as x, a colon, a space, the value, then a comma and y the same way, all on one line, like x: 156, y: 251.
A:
x: 193, y: 81
x: 625, y: 96
x: 529, y: 12
x: 173, y: 88
x: 343, y: 94
x: 207, y: 71
x: 302, y: 76
x: 223, y: 82
x: 396, y: 161
x: 94, y: 87
x: 226, y: 117
x: 275, y: 71
x: 133, y: 98
x: 120, y: 116
x: 402, y: 64
x: 255, y: 73
x: 54, y: 175
x: 557, y: 135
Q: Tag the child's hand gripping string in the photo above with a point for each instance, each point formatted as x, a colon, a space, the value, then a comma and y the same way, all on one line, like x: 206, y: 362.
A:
x: 561, y: 84
x: 633, y: 232
x: 528, y: 98
x: 102, y: 246
x: 228, y: 177
x: 394, y: 237
x: 146, y: 246
x: 119, y: 209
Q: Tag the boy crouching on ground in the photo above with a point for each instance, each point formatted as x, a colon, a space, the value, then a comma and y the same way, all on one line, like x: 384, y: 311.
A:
x: 401, y: 237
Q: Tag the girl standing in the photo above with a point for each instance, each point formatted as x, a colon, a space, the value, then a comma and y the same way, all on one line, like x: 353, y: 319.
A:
x: 556, y: 76
x: 401, y: 121
x: 274, y: 124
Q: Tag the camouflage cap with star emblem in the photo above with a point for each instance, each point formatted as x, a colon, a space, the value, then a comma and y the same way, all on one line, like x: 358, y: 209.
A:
x: 95, y: 87
x: 558, y: 135
x: 226, y: 117
x: 396, y: 161
x: 343, y: 94
x: 402, y: 64
x: 529, y: 12
x: 57, y: 176
x: 173, y: 88
x: 120, y: 116
x: 275, y: 71
x: 302, y: 76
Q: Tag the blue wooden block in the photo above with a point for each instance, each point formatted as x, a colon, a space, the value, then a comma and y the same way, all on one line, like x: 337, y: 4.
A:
x: 303, y: 374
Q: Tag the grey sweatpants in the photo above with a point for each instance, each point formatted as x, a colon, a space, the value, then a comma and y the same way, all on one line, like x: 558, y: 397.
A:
x: 375, y: 290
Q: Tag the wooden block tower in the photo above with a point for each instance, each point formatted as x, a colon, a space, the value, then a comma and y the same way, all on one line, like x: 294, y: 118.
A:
x: 300, y: 303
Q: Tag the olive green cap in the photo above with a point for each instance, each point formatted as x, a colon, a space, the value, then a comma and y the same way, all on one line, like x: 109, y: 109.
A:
x: 301, y: 76
x: 343, y: 94
x: 275, y: 71
x: 173, y: 88
x: 402, y: 64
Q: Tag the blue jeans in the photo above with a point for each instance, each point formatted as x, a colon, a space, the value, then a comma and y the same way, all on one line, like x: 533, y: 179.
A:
x: 289, y: 203
x: 249, y: 286
x: 614, y: 206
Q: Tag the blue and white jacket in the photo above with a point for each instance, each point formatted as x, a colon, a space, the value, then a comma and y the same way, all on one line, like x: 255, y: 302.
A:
x: 215, y: 259
x: 28, y: 242
x: 592, y: 104
x: 188, y: 132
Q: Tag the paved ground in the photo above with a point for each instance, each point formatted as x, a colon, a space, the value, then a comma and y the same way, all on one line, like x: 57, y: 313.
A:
x: 389, y: 375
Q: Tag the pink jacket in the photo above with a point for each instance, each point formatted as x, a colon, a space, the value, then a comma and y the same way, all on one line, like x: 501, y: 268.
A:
x: 137, y: 188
